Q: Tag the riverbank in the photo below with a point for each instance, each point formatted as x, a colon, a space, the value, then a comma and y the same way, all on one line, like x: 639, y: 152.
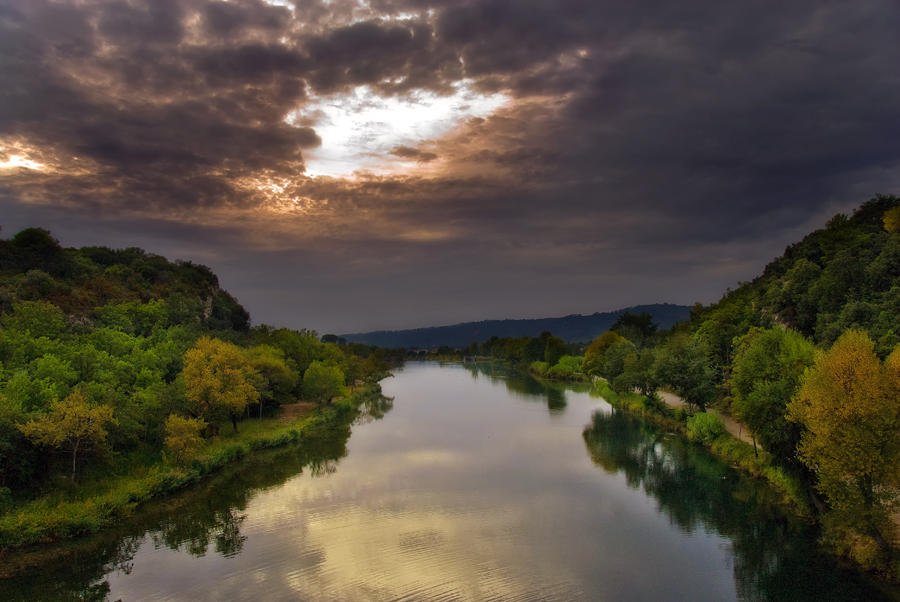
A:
x: 93, y: 506
x: 726, y: 446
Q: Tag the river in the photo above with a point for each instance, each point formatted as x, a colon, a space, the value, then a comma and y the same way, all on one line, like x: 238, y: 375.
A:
x: 464, y: 483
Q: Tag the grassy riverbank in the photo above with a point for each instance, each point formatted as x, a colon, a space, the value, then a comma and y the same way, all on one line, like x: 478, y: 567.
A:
x: 727, y: 447
x: 70, y: 512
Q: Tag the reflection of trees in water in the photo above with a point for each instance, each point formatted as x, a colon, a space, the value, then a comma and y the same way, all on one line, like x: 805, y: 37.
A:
x: 80, y: 577
x: 524, y: 386
x: 374, y: 407
x: 775, y: 558
x: 556, y: 399
x: 192, y: 533
x: 484, y: 368
x: 210, y: 513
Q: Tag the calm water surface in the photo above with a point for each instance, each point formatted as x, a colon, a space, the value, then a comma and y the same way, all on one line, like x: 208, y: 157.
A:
x: 467, y: 486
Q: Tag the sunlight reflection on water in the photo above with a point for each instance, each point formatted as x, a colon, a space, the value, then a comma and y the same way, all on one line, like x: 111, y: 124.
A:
x: 475, y: 489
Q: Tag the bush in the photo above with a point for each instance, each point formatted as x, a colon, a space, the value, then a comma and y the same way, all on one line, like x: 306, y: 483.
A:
x: 704, y: 427
x: 570, y: 363
x: 539, y: 368
x: 559, y: 372
x: 183, y: 435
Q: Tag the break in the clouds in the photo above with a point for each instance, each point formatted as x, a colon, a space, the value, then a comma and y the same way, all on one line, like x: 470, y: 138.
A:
x: 349, y: 165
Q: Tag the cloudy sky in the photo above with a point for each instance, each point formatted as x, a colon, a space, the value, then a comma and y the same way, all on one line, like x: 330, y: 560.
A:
x: 351, y: 165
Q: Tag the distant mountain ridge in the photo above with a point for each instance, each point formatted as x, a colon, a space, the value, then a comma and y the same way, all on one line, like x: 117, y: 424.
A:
x: 574, y: 328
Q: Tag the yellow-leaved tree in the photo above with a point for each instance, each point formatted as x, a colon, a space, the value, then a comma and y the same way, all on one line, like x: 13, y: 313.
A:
x: 220, y: 381
x: 73, y: 425
x: 849, y: 406
x: 892, y: 220
x: 183, y: 435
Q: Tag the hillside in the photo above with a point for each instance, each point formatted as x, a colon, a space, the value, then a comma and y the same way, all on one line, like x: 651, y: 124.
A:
x: 154, y: 356
x: 574, y: 329
x: 807, y: 358
x: 844, y: 276
x: 109, y: 287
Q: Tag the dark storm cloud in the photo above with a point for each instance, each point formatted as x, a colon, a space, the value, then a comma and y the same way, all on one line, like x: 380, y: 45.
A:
x: 178, y: 104
x: 640, y: 140
x: 707, y: 113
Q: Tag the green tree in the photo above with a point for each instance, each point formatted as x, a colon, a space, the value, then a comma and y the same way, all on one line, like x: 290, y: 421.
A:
x: 11, y: 439
x: 37, y: 318
x: 277, y: 380
x: 554, y: 349
x: 683, y: 364
x: 766, y: 374
x: 375, y: 367
x: 849, y: 406
x: 322, y: 382
x: 593, y: 355
x: 614, y: 358
x: 704, y: 427
x: 73, y: 425
x: 637, y: 328
x: 134, y: 318
x: 641, y: 372
x: 220, y: 381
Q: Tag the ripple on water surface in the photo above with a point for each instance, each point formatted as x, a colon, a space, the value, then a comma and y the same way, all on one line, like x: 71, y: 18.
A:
x: 470, y: 488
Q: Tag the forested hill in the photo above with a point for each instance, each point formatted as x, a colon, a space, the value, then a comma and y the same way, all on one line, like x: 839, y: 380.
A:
x: 128, y: 289
x: 844, y: 276
x: 112, y: 359
x: 807, y: 358
x: 574, y: 329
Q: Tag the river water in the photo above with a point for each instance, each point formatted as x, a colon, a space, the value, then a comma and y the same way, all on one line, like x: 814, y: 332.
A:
x: 465, y: 483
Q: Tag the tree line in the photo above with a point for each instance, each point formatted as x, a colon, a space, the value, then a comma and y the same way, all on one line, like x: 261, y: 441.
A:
x: 807, y: 356
x: 120, y: 357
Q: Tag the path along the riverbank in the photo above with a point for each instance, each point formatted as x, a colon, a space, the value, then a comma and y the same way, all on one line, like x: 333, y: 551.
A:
x: 734, y: 427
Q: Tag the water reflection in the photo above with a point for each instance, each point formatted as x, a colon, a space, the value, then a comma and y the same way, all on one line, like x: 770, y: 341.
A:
x: 469, y: 490
x: 192, y: 532
x: 207, y: 518
x: 526, y: 387
x: 775, y: 557
x: 374, y: 407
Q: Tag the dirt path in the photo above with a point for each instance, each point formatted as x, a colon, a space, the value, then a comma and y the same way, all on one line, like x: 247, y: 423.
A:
x: 670, y: 399
x: 731, y: 425
x: 292, y: 411
x: 735, y: 428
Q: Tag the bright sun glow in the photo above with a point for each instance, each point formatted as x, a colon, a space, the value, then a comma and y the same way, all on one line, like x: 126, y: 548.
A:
x: 17, y: 161
x: 360, y: 130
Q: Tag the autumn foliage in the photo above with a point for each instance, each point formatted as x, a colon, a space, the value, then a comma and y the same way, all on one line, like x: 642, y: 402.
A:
x: 219, y: 381
x: 73, y: 425
x: 183, y: 435
x: 849, y: 406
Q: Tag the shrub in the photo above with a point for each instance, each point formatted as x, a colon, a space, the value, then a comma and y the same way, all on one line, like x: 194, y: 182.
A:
x: 704, y: 427
x: 183, y: 435
x: 539, y: 368
x: 570, y: 363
